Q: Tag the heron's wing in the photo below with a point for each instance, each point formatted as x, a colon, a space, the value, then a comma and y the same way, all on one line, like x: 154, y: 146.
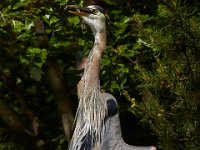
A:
x: 113, y: 137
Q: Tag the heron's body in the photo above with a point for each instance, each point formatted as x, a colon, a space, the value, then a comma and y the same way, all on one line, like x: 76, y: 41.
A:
x: 97, y: 119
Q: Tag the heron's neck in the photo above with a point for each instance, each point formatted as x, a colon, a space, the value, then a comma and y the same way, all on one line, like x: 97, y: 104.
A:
x: 90, y: 77
x: 92, y: 108
x: 100, y: 40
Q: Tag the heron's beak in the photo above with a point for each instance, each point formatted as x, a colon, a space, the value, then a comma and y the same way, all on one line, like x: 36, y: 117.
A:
x: 77, y: 10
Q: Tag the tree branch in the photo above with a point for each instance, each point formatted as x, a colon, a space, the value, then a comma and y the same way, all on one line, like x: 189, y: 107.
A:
x: 10, y: 118
x: 57, y: 83
x: 34, y: 120
x: 61, y: 95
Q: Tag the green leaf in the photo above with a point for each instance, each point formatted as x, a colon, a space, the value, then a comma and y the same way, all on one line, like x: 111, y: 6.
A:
x: 113, y: 86
x: 126, y: 19
x: 21, y: 3
x: 43, y: 55
x: 74, y: 20
x: 18, y: 25
x: 81, y: 41
x: 61, y: 44
x: 32, y: 50
x: 163, y: 11
x: 144, y: 18
x: 53, y: 19
x: 23, y: 60
x: 105, y: 61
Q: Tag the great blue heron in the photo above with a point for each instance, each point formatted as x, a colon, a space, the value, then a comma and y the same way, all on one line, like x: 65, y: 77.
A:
x: 97, y: 119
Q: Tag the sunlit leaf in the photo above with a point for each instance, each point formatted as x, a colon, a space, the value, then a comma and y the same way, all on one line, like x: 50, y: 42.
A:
x: 105, y: 61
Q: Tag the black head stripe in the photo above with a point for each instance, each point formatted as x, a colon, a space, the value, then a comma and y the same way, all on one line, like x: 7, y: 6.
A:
x: 97, y: 7
x: 100, y: 9
x: 87, y: 10
x: 112, y: 107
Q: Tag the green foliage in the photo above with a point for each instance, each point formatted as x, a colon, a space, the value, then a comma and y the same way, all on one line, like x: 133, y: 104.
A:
x: 158, y: 56
x: 36, y: 56
x: 170, y: 86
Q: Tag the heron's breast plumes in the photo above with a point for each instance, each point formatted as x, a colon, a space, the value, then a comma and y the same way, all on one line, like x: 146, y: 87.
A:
x: 91, y: 113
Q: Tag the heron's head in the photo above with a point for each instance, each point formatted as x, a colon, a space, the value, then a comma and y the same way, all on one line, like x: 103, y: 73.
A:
x: 92, y: 15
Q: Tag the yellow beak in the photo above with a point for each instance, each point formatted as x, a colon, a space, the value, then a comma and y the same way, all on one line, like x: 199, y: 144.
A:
x: 77, y: 10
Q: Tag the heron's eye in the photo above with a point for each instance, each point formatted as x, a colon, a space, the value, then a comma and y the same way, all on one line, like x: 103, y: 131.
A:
x: 95, y: 11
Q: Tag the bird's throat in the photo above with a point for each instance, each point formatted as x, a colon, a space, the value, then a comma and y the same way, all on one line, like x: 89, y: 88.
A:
x: 100, y: 40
